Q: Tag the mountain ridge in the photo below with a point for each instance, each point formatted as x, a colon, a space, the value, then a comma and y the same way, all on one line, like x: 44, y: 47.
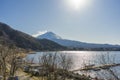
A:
x: 10, y: 36
x: 76, y: 44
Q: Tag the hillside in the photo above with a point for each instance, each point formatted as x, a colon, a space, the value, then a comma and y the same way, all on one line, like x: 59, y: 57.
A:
x: 10, y: 36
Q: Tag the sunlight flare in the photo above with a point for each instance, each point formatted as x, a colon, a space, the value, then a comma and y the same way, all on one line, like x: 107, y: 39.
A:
x: 78, y: 4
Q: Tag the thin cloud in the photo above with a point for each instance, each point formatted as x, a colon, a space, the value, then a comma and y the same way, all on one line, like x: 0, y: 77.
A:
x: 39, y: 33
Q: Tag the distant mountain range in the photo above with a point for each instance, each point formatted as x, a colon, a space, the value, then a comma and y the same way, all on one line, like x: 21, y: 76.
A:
x: 10, y: 36
x: 76, y: 44
x: 48, y: 41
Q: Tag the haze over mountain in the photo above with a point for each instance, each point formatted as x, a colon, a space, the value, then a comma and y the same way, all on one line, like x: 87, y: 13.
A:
x: 11, y: 36
x: 72, y: 43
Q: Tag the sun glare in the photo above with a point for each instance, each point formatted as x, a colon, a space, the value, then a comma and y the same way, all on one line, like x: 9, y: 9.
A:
x: 77, y: 4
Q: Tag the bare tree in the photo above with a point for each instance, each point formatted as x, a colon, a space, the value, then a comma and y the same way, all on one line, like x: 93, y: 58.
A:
x: 8, y: 60
x: 102, y: 67
x: 4, y: 52
x: 110, y: 72
x: 52, y: 63
x: 13, y: 61
x: 65, y: 64
x: 48, y: 63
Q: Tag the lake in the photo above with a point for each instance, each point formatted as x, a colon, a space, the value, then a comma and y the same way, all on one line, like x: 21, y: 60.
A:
x: 81, y: 58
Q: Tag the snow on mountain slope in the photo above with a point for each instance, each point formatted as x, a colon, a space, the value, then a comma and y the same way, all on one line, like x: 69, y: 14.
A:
x: 72, y: 43
x: 49, y: 35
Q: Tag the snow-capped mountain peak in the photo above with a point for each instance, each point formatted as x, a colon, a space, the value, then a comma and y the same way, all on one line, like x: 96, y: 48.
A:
x: 72, y: 43
x: 49, y: 35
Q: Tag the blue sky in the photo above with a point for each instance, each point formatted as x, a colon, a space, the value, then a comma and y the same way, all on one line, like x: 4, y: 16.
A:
x: 97, y: 23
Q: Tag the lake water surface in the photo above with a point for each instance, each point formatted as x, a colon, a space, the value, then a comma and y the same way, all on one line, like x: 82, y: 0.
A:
x: 81, y: 58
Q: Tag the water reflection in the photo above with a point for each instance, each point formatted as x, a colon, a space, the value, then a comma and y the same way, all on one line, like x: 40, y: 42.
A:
x: 82, y: 58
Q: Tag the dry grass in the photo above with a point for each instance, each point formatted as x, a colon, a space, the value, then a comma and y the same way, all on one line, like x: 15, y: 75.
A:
x: 25, y: 76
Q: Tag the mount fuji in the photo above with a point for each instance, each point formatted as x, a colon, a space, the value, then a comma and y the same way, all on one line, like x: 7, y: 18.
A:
x: 49, y: 35
x: 11, y: 37
x: 72, y: 43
